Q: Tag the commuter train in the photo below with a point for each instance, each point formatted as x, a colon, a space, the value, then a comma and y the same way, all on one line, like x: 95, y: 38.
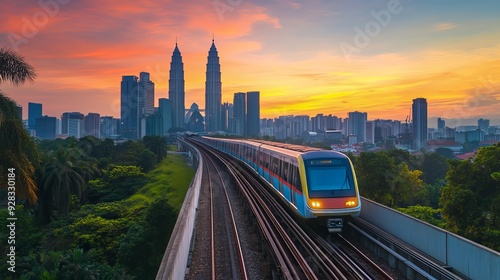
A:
x: 314, y: 183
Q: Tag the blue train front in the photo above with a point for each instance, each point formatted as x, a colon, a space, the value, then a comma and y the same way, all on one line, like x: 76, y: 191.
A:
x: 314, y: 183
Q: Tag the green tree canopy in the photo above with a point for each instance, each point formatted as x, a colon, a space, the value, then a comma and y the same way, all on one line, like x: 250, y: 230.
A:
x: 408, y: 188
x: 470, y: 199
x: 375, y: 173
x: 157, y: 145
x: 434, y: 167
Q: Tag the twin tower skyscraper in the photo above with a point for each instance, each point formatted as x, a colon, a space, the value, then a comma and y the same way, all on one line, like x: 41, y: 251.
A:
x: 213, y: 90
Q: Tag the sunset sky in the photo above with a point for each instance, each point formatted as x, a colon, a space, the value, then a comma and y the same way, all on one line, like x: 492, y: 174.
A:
x: 305, y: 57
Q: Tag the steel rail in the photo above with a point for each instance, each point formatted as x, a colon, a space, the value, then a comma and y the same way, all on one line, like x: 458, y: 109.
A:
x: 275, y: 234
x: 231, y: 231
x: 333, y: 263
x: 381, y: 272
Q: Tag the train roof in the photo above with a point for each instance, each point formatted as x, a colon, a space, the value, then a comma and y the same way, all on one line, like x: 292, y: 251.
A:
x: 323, y: 154
x: 288, y: 149
x: 293, y: 147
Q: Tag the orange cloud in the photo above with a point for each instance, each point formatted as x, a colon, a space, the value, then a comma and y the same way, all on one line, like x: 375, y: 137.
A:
x: 444, y: 26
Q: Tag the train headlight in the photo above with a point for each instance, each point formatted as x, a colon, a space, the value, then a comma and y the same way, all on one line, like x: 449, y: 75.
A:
x: 316, y: 204
x: 350, y: 203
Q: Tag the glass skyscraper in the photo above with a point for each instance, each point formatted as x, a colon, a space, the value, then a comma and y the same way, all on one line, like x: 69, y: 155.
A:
x: 356, y: 125
x: 239, y: 113
x: 34, y: 112
x: 253, y: 113
x: 46, y: 127
x: 129, y: 111
x: 176, y: 89
x: 419, y: 123
x: 146, y: 94
x: 165, y: 112
x: 213, y: 91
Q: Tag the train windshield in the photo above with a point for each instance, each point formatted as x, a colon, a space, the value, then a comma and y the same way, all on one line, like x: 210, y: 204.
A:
x: 330, y: 178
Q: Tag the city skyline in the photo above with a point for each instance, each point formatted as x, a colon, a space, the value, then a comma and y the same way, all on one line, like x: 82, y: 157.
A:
x: 305, y: 57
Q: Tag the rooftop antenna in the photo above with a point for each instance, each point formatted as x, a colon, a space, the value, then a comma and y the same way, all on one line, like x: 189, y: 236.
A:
x: 213, y: 37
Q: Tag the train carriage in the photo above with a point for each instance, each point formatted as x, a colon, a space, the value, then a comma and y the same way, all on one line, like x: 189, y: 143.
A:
x: 313, y: 182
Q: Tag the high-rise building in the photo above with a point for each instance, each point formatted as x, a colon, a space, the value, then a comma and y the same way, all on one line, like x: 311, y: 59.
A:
x: 419, y: 123
x: 300, y: 124
x: 224, y: 116
x: 176, y: 89
x: 72, y: 124
x: 333, y: 123
x: 34, y: 112
x: 239, y: 113
x: 92, y: 125
x: 146, y: 94
x: 356, y: 125
x: 46, y: 127
x: 440, y: 126
x: 154, y: 124
x: 370, y: 132
x: 108, y: 127
x: 318, y: 123
x: 213, y: 91
x: 129, y: 111
x: 165, y: 113
x: 146, y: 101
x: 253, y: 113
x: 483, y: 125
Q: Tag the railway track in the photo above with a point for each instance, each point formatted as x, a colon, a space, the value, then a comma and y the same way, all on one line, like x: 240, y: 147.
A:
x: 226, y: 257
x: 306, y: 250
x: 297, y: 251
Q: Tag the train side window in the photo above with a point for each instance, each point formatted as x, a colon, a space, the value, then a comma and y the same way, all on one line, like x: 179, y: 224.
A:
x: 275, y: 163
x: 296, y: 179
x: 284, y: 171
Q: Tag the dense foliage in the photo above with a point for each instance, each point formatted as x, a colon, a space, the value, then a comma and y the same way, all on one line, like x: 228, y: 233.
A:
x: 105, y: 211
x: 470, y: 201
x: 460, y: 196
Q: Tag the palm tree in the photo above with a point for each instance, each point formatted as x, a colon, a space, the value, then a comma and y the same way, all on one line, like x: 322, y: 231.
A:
x: 13, y: 68
x: 61, y: 176
x: 157, y: 145
x: 18, y: 149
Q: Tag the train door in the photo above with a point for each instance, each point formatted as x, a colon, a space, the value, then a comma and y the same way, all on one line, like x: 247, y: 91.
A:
x: 265, y: 164
x: 285, y: 175
x: 293, y: 182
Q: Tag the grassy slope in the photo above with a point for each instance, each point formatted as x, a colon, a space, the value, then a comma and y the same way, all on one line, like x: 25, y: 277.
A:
x: 171, y: 178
